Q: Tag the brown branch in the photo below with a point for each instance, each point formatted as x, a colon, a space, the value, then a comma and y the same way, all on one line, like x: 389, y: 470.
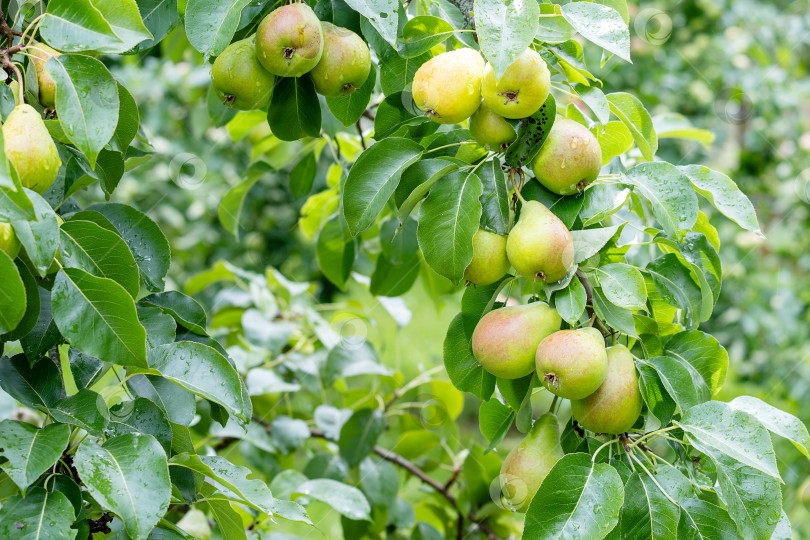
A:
x: 466, y: 9
x: 589, y: 304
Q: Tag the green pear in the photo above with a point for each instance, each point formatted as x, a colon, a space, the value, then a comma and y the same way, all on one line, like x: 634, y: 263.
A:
x: 47, y: 86
x: 490, y: 130
x: 289, y: 40
x: 239, y: 79
x: 572, y: 363
x: 9, y: 243
x: 615, y: 406
x: 30, y: 148
x: 528, y: 464
x: 448, y: 86
x: 489, y: 262
x: 521, y: 90
x: 569, y: 159
x: 540, y: 245
x: 505, y: 339
x: 345, y: 62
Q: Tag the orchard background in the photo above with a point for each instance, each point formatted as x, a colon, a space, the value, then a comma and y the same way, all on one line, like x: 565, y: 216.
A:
x: 362, y: 419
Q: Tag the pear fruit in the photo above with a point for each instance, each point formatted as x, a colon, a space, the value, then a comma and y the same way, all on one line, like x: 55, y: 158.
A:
x: 345, y: 62
x: 521, y: 90
x: 616, y: 405
x: 30, y: 148
x: 528, y: 464
x: 41, y: 53
x: 489, y: 262
x: 448, y: 86
x: 572, y: 363
x: 540, y: 245
x: 569, y: 159
x: 9, y: 243
x: 289, y: 40
x: 239, y: 79
x: 505, y: 339
x: 490, y: 130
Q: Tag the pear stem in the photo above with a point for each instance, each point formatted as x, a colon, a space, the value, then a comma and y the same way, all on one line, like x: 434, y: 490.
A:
x: 553, y: 403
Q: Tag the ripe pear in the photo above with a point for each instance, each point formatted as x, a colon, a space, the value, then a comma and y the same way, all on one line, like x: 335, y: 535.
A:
x: 289, y: 41
x: 30, y: 148
x: 527, y: 465
x: 572, y: 363
x: 9, y: 243
x: 540, y: 245
x: 569, y: 159
x: 505, y: 339
x: 345, y: 62
x: 239, y: 79
x: 616, y: 404
x: 491, y: 130
x: 521, y: 90
x: 47, y: 87
x: 489, y: 262
x: 448, y: 86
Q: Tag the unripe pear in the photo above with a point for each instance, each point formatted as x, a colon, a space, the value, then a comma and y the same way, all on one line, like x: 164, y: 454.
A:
x: 569, y: 159
x: 289, y: 41
x: 489, y: 262
x: 239, y: 79
x: 527, y: 465
x: 616, y: 404
x: 540, y: 246
x: 9, y: 243
x: 345, y: 62
x: 491, y: 130
x: 30, y: 148
x: 47, y: 86
x: 572, y: 363
x: 448, y: 86
x: 505, y: 339
x: 521, y: 90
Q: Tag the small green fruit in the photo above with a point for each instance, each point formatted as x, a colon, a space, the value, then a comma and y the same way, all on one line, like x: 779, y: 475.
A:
x: 521, y: 90
x: 239, y: 79
x: 448, y: 86
x: 569, y: 159
x: 30, y: 148
x: 9, y: 243
x: 616, y: 404
x: 528, y: 464
x: 572, y: 363
x: 489, y: 262
x: 505, y: 340
x: 47, y: 86
x: 540, y: 245
x: 289, y: 41
x: 491, y: 130
x: 345, y: 62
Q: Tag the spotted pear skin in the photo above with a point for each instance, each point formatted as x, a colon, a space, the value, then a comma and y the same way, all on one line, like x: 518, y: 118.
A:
x: 572, y: 363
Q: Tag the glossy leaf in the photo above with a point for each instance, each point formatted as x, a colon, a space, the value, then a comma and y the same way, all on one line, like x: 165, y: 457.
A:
x: 29, y: 450
x: 647, y: 513
x: 85, y: 409
x: 346, y: 500
x: 600, y: 24
x: 669, y: 192
x: 359, y: 435
x: 210, y: 24
x: 494, y: 198
x: 463, y: 369
x: 382, y: 14
x: 623, y: 285
x: 421, y: 34
x: 39, y: 237
x: 185, y: 310
x: 779, y: 422
x: 38, y: 515
x: 294, y: 111
x: 723, y: 193
x: 77, y: 25
x: 349, y: 108
x: 335, y: 252
x: 505, y: 29
x: 570, y: 301
x: 12, y: 295
x: 704, y: 353
x: 630, y: 111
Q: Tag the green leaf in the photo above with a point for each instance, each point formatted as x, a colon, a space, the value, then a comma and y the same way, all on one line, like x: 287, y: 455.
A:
x: 349, y: 108
x: 531, y: 134
x: 776, y: 421
x: 85, y: 409
x: 614, y: 139
x: 211, y: 24
x: 669, y: 192
x: 89, y: 247
x: 39, y: 237
x: 302, y: 176
x: 601, y: 201
x: 398, y: 115
x: 494, y: 421
x: 87, y: 100
x: 463, y: 369
x: 396, y: 72
x: 43, y: 515
x: 140, y: 416
x: 564, y: 506
x: 595, y: 99
x: 382, y: 14
x: 704, y: 353
x: 231, y: 206
x: 714, y: 427
x: 30, y: 301
x: 505, y: 28
x: 346, y: 500
x: 588, y: 242
x: 373, y: 179
x: 655, y: 394
x: 677, y: 126
x: 37, y: 385
x: 635, y: 117
x: 30, y: 451
x: 601, y: 25
x: 76, y: 25
x: 494, y: 198
x: 417, y: 180
x: 616, y: 317
x: 623, y: 285
x: 125, y: 20
x: 723, y: 193
x: 12, y: 295
x: 295, y: 110
x: 448, y: 220
x: 379, y: 481
x: 647, y: 513
x: 85, y: 369
x: 679, y: 382
x: 128, y: 475
x: 81, y: 302
x: 178, y: 403
x: 674, y: 283
x: 421, y: 34
x: 359, y: 435
x: 570, y: 301
x: 478, y: 301
x: 289, y: 434
x: 335, y: 253
x: 159, y: 17
x: 186, y: 311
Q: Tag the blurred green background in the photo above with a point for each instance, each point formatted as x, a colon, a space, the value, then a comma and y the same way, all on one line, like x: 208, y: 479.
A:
x: 738, y: 68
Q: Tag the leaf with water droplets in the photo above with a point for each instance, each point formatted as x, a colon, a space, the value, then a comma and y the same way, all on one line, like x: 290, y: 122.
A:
x: 776, y: 421
x: 38, y: 515
x: 723, y: 193
x: 505, y: 28
x: 600, y: 24
x: 211, y: 24
x: 30, y: 451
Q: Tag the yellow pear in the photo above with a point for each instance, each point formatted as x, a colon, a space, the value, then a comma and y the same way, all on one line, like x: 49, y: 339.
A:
x: 521, y: 90
x: 30, y: 148
x: 289, y: 40
x: 572, y: 363
x: 9, y: 243
x: 569, y: 159
x: 490, y: 130
x: 47, y: 86
x: 448, y: 86
x: 540, y: 246
x: 489, y: 262
x: 239, y: 79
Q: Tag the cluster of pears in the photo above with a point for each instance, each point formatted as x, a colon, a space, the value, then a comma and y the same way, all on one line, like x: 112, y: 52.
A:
x: 290, y: 42
x: 515, y: 341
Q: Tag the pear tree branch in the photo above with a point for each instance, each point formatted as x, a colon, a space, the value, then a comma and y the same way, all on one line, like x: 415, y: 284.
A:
x: 466, y: 8
x: 589, y: 304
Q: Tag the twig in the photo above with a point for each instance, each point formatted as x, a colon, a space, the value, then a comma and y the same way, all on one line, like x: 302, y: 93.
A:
x: 360, y: 132
x: 589, y: 303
